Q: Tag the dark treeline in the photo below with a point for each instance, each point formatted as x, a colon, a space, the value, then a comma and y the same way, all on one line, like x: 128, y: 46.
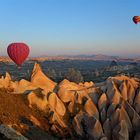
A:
x: 73, y: 70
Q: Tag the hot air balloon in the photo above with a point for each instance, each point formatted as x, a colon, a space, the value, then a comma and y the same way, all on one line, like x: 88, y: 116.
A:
x: 136, y: 19
x: 18, y: 52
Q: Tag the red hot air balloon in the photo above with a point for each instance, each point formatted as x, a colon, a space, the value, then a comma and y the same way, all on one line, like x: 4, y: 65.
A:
x: 18, y: 52
x: 136, y: 19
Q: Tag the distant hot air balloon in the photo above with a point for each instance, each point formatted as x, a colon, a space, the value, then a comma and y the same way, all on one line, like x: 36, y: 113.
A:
x: 136, y: 19
x: 18, y: 52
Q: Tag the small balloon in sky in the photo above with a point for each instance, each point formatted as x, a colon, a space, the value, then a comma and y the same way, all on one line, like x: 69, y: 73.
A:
x: 18, y: 52
x: 136, y: 19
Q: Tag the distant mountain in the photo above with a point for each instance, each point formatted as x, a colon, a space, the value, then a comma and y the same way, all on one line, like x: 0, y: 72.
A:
x: 84, y: 57
x: 77, y: 57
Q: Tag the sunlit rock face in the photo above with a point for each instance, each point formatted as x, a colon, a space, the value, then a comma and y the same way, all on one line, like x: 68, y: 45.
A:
x: 4, y: 82
x: 39, y: 79
x: 22, y: 86
x: 105, y: 111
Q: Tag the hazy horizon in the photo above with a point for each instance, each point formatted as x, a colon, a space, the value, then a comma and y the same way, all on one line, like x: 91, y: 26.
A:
x: 71, y: 27
x: 82, y: 55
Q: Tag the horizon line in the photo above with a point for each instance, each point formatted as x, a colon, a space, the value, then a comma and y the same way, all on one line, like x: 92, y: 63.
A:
x: 132, y: 56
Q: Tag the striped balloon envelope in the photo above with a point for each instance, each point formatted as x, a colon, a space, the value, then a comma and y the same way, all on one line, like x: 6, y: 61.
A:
x: 136, y: 19
x: 18, y: 52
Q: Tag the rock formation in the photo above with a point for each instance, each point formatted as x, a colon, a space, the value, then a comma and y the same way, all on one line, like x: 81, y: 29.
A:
x: 106, y: 111
x: 39, y: 79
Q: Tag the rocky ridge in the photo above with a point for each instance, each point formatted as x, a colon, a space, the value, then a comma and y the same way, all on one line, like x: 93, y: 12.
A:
x: 106, y: 111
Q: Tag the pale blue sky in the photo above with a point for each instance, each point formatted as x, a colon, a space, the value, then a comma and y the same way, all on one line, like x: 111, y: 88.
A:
x: 54, y: 27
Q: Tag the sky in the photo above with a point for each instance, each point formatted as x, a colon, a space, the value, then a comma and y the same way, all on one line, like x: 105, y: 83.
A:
x: 71, y: 27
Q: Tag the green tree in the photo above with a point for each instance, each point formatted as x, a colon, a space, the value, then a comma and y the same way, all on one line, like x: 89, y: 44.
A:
x: 74, y: 76
x: 97, y: 73
x: 51, y: 73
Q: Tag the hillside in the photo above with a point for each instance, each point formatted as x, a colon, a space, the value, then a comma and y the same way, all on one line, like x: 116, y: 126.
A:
x: 41, y: 109
x: 95, y: 57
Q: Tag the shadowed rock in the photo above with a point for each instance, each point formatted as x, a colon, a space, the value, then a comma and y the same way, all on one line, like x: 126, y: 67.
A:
x: 106, y: 111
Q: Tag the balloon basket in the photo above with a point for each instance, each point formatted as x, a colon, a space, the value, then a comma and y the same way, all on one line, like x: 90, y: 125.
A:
x: 19, y: 67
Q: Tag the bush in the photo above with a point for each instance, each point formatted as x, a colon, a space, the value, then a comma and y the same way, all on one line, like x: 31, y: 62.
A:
x: 51, y: 73
x: 74, y: 76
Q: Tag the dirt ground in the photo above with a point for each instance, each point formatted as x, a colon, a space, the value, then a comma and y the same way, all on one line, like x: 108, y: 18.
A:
x: 14, y: 111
